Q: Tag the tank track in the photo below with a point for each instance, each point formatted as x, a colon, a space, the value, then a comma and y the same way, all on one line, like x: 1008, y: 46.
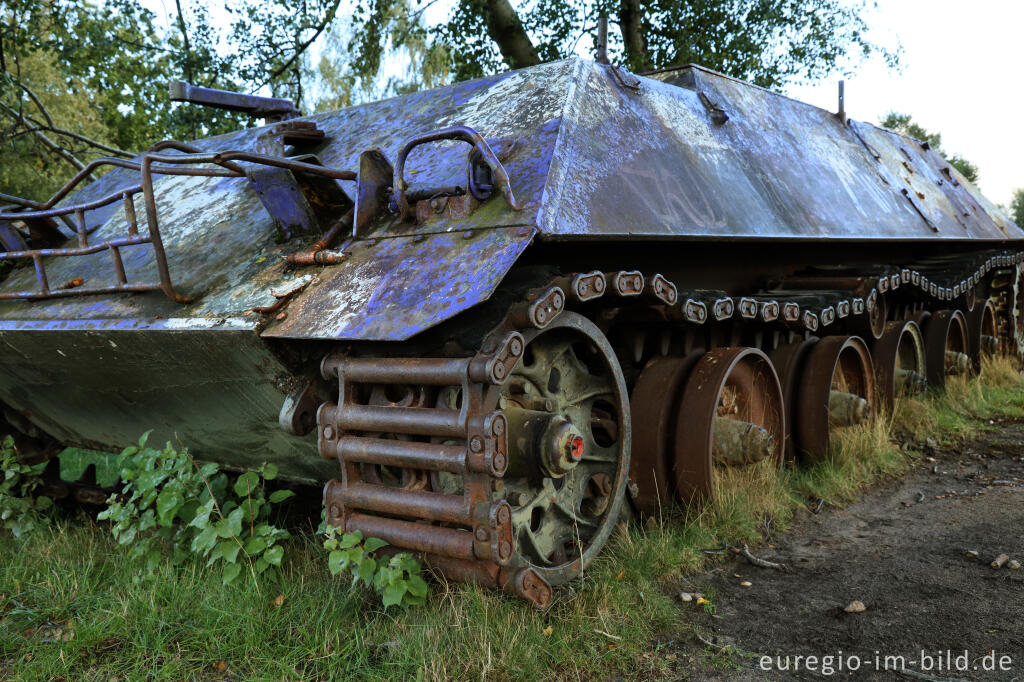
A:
x: 477, y: 462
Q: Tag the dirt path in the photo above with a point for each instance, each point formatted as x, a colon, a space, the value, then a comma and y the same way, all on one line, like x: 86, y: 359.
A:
x: 902, y: 551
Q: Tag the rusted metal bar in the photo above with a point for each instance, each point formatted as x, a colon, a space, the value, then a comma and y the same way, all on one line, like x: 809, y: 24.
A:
x: 316, y: 254
x: 129, y: 213
x: 399, y: 453
x: 77, y: 291
x: 416, y: 537
x: 44, y: 286
x: 94, y: 248
x: 115, y: 253
x: 83, y: 236
x: 410, y: 503
x: 429, y: 371
x: 68, y: 210
x: 149, y: 199
x: 221, y: 158
x: 190, y: 149
x: 407, y: 420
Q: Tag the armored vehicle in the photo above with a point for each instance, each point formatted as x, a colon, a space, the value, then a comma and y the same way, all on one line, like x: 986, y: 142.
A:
x: 488, y: 318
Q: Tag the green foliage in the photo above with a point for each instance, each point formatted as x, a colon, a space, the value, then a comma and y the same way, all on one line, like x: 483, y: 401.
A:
x: 1017, y: 206
x: 169, y: 501
x: 84, y: 79
x: 770, y: 43
x: 20, y: 512
x: 380, y: 32
x: 398, y: 580
x: 904, y: 124
x: 965, y: 167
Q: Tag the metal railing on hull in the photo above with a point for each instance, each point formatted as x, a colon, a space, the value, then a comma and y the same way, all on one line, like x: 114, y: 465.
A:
x: 151, y: 163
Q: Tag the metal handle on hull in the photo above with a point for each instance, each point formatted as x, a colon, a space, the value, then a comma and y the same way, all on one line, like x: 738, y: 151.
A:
x: 465, y: 134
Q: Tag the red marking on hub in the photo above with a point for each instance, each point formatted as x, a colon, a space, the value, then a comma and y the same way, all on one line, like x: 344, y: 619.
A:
x: 576, y: 445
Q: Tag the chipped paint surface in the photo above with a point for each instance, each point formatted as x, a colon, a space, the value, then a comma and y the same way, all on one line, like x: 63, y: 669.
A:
x: 437, y: 275
x: 655, y: 163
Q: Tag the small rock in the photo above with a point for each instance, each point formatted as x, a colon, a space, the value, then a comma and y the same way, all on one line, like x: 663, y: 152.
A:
x: 998, y: 562
x: 1013, y: 565
x: 931, y: 442
x: 685, y: 596
x: 973, y: 555
x: 856, y: 606
x: 746, y: 583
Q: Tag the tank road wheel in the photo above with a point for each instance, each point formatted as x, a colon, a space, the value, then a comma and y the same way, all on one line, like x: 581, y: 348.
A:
x: 788, y: 360
x: 837, y: 389
x: 982, y: 333
x: 945, y: 341
x: 731, y: 415
x: 569, y: 444
x: 899, y: 362
x: 655, y: 408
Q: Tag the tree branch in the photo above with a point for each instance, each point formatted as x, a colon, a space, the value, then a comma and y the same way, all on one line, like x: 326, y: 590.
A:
x: 35, y: 100
x: 185, y: 43
x: 45, y: 139
x: 52, y: 127
x: 302, y: 47
x: 85, y: 140
x: 506, y: 30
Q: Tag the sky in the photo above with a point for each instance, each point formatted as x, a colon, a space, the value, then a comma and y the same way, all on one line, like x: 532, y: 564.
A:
x: 961, y: 77
x: 961, y: 66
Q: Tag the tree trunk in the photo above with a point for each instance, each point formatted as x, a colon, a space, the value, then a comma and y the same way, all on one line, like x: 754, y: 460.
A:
x: 506, y: 30
x: 631, y: 22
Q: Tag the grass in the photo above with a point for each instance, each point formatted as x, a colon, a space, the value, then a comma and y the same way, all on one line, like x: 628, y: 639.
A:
x: 619, y: 620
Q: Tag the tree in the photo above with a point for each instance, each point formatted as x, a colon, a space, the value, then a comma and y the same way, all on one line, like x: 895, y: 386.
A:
x: 1017, y: 207
x: 390, y: 32
x: 82, y: 79
x: 769, y: 42
x: 904, y: 124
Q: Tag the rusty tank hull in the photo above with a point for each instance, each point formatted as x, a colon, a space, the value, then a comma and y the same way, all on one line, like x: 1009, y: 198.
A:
x: 489, y: 317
